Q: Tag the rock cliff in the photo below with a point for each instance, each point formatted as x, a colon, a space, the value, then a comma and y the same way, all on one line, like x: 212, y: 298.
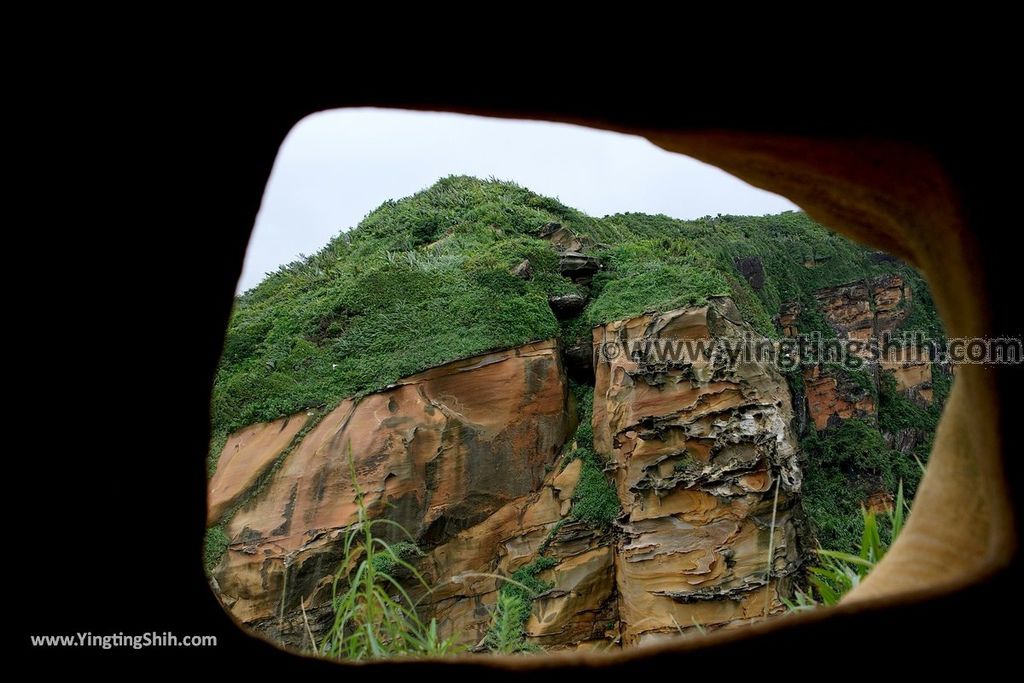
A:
x: 440, y: 452
x: 631, y: 492
x: 465, y: 457
x: 699, y: 451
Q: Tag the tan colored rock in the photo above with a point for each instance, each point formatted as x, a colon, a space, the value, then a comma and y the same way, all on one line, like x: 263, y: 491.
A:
x: 464, y: 573
x: 565, y: 484
x: 676, y: 619
x: 563, y: 238
x: 862, y: 310
x: 892, y: 297
x: 832, y: 398
x: 699, y: 449
x: 788, y: 314
x: 576, y: 608
x: 847, y: 308
x: 246, y: 455
x: 440, y: 452
x: 879, y: 502
x: 912, y: 370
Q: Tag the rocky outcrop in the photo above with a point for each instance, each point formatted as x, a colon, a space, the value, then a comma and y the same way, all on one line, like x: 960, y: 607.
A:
x: 699, y: 451
x: 567, y: 306
x: 524, y: 270
x: 465, y: 571
x: 247, y: 455
x: 440, y: 452
x: 911, y: 368
x: 562, y: 238
x: 786, y: 320
x: 580, y: 607
x: 892, y: 297
x: 577, y: 266
x: 833, y: 395
x: 752, y: 270
x: 861, y: 310
x: 463, y: 456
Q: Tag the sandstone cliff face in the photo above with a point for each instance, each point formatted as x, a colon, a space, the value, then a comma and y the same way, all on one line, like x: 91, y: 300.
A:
x: 698, y: 451
x: 580, y: 605
x: 440, y: 452
x: 861, y: 310
x: 912, y: 371
x: 247, y: 454
x: 464, y: 457
x: 832, y: 397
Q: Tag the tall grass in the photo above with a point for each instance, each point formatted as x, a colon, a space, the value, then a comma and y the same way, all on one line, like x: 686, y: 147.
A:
x: 374, y: 614
x: 838, y: 572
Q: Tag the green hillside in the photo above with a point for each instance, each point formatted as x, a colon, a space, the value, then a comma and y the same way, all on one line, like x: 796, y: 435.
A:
x: 427, y: 279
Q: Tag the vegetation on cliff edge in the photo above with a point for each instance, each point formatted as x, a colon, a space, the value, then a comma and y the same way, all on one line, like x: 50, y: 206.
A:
x: 428, y: 279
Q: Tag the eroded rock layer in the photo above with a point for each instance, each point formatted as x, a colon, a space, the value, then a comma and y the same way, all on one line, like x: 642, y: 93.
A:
x: 452, y: 449
x: 861, y: 310
x: 465, y: 457
x: 833, y: 396
x: 699, y: 451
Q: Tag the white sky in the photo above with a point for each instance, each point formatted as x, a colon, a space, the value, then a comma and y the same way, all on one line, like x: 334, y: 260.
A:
x: 335, y: 167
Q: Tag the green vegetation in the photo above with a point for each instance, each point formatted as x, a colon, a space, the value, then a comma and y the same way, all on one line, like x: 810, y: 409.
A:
x: 652, y: 275
x: 839, y: 572
x: 594, y: 501
x: 506, y: 635
x: 215, y: 545
x: 657, y: 263
x: 427, y: 279
x: 842, y: 467
x: 389, y: 562
x: 374, y: 614
x: 418, y: 282
x: 213, y: 453
x: 897, y: 412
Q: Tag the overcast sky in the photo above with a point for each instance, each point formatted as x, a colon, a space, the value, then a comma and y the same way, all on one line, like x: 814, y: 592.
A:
x: 335, y: 167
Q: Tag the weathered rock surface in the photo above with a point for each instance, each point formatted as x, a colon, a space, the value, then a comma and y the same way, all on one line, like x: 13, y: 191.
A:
x: 751, y: 268
x: 562, y: 238
x: 578, y: 267
x: 246, y: 455
x: 464, y: 456
x: 699, y: 450
x: 567, y: 306
x: 580, y: 606
x: 524, y: 270
x: 440, y: 452
x: 577, y: 608
x: 834, y: 396
x: 862, y: 310
x: 912, y: 370
x: 786, y: 320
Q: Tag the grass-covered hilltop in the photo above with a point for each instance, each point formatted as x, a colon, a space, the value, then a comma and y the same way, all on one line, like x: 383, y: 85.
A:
x: 467, y: 266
